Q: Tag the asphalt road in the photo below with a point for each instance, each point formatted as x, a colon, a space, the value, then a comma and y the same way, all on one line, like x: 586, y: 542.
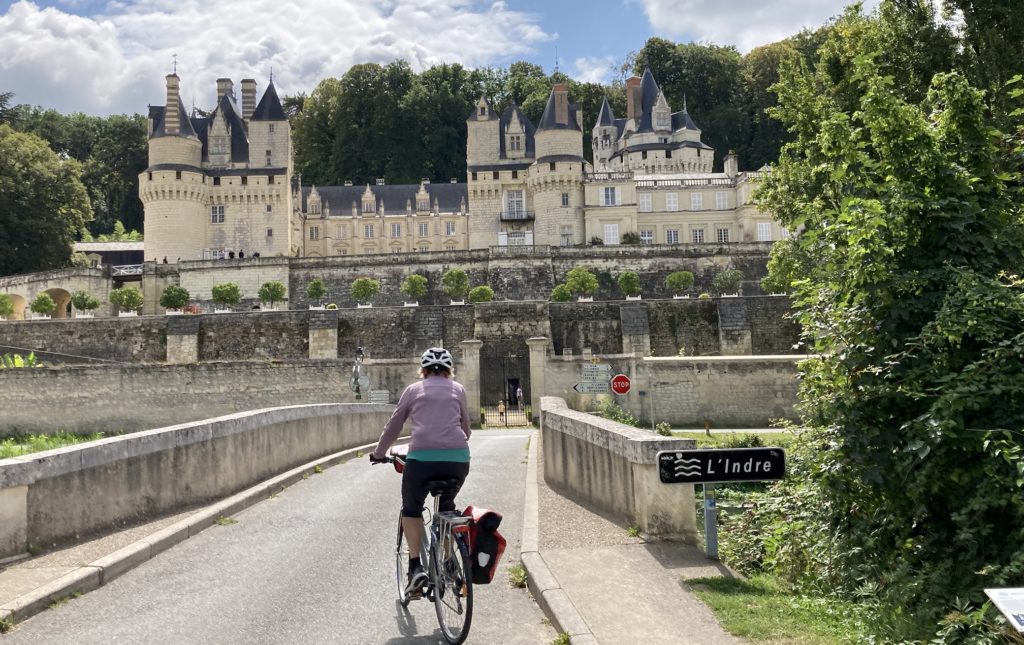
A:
x: 314, y: 564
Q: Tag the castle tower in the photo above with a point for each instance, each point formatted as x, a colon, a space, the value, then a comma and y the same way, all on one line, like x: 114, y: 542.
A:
x: 556, y: 178
x: 174, y: 190
x: 604, y: 136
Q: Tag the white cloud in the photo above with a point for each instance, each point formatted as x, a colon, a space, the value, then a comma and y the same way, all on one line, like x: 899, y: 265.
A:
x: 743, y: 23
x: 594, y: 69
x: 116, y: 62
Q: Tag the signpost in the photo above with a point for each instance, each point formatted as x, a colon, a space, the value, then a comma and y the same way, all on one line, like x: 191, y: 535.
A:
x: 1011, y: 603
x: 717, y: 466
x: 621, y: 384
x: 594, y: 378
x: 380, y: 396
x: 589, y: 387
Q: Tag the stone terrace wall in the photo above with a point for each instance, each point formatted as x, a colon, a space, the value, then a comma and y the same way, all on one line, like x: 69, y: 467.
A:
x: 123, y: 398
x: 691, y: 325
x: 132, y: 340
x: 773, y: 328
x: 228, y: 337
x: 585, y: 325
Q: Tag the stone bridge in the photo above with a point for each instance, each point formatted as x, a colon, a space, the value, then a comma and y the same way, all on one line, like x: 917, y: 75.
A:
x: 59, y: 284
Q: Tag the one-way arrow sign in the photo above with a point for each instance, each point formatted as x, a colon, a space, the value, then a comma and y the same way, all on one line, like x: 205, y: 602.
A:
x: 715, y: 466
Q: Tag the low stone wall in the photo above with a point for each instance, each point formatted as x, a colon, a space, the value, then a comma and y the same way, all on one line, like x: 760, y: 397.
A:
x: 124, y: 398
x: 54, y: 496
x: 613, y: 468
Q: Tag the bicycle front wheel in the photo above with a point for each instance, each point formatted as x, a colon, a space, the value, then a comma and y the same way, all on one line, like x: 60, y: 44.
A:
x: 402, y: 563
x: 453, y: 587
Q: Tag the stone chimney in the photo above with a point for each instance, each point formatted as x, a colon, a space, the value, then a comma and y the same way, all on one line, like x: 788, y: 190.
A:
x: 561, y: 92
x: 224, y: 86
x: 732, y: 164
x: 172, y: 118
x: 248, y: 97
x: 632, y: 97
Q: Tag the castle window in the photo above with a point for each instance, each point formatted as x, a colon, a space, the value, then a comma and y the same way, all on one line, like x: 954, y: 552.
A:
x: 764, y: 232
x: 721, y: 200
x: 245, y: 181
x: 565, y: 231
x: 217, y: 214
x: 423, y: 204
x: 314, y: 209
x: 672, y: 236
x: 671, y: 202
x: 449, y: 228
x: 270, y: 208
x: 668, y: 154
x: 368, y: 231
x: 268, y: 157
x: 611, y: 233
x: 424, y: 229
x: 177, y: 174
x: 697, y: 235
x: 219, y: 145
x: 515, y: 174
x: 396, y: 230
x: 270, y: 128
x: 647, y: 237
x: 696, y: 201
x: 495, y: 175
x: 514, y: 202
x: 270, y: 179
x: 270, y: 232
x: 423, y: 248
x: 340, y: 233
x: 474, y: 176
x: 610, y: 196
x: 368, y: 206
x: 723, y: 235
x: 314, y: 233
x: 515, y: 142
x: 396, y: 249
x: 483, y: 111
x: 644, y: 202
x: 643, y: 155
x: 216, y: 181
x: 565, y: 200
x: 551, y: 166
x: 151, y: 176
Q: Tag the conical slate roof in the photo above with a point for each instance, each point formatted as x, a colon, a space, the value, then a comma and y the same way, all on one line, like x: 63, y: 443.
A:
x: 269, y: 108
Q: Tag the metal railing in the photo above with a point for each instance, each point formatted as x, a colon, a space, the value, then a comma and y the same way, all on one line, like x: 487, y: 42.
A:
x: 608, y: 176
x: 127, y: 269
x: 515, y: 216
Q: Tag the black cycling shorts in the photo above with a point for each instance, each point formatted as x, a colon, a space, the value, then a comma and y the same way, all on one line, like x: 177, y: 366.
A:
x: 417, y: 473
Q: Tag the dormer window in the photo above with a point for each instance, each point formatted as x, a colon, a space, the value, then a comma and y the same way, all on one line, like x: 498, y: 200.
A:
x: 515, y: 142
x: 368, y: 206
x: 220, y: 145
x: 483, y: 111
x: 423, y: 204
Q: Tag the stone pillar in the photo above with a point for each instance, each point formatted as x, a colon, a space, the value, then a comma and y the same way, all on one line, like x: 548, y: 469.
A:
x: 469, y: 375
x: 734, y: 329
x: 323, y: 333
x: 182, y: 339
x: 538, y: 366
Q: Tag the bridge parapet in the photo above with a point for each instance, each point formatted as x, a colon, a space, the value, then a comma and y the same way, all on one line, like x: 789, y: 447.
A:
x: 613, y: 467
x: 58, y: 495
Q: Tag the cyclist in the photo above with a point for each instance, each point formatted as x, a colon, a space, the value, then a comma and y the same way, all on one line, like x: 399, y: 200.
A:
x: 438, y: 447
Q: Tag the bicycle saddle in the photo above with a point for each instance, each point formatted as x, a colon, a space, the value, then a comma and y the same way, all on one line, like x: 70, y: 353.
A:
x: 440, y: 486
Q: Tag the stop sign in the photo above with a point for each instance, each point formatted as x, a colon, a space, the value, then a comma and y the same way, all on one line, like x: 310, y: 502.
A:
x: 620, y: 384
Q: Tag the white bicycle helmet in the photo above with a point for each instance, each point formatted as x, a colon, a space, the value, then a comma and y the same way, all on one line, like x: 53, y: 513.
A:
x: 437, y: 356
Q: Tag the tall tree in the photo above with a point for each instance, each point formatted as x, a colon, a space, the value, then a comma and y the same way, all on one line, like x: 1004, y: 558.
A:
x: 43, y: 204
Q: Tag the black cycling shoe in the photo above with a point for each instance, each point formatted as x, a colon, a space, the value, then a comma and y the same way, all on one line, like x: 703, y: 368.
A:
x: 417, y: 581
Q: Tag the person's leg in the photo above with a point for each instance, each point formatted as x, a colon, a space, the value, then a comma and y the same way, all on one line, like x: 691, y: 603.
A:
x: 456, y: 469
x: 413, y: 496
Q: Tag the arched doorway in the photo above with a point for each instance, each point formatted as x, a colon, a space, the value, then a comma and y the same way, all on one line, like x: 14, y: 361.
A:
x: 20, y: 304
x: 63, y: 301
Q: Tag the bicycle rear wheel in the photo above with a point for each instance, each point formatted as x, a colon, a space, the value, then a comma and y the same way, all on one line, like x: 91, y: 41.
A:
x: 402, y: 564
x: 453, y: 587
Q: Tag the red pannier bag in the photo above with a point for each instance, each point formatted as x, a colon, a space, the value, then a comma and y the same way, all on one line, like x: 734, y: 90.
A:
x: 486, y: 545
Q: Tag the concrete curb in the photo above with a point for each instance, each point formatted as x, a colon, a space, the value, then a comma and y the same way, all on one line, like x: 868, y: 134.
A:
x: 100, y: 572
x: 543, y: 585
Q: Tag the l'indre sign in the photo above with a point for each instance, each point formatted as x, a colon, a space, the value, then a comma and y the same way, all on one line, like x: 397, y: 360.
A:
x: 715, y: 466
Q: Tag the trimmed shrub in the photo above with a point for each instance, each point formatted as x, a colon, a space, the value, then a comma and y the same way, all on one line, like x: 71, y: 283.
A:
x: 455, y: 283
x: 227, y: 294
x: 126, y: 298
x: 679, y: 281
x: 84, y: 301
x: 271, y: 292
x: 316, y: 289
x: 6, y: 305
x: 364, y: 289
x: 483, y: 293
x: 43, y: 304
x: 581, y: 281
x: 728, y: 281
x: 561, y: 293
x: 414, y: 286
x: 629, y: 282
x: 173, y: 297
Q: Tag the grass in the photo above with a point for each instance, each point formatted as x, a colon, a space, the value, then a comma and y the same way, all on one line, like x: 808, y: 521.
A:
x: 225, y: 521
x: 318, y: 469
x: 57, y: 602
x: 633, y: 531
x: 761, y: 610
x: 517, y: 576
x: 730, y: 439
x: 6, y: 625
x: 17, y: 446
x: 562, y: 639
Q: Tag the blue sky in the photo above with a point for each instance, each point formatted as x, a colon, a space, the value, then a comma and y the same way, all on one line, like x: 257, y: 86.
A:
x: 111, y: 57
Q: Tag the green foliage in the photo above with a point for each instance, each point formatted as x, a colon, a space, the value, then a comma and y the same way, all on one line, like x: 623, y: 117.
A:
x: 84, y: 301
x: 629, y: 282
x: 43, y: 304
x: 455, y: 283
x: 272, y: 292
x: 787, y: 264
x: 13, y: 361
x: 631, y: 238
x: 414, y: 286
x: 517, y: 576
x: 174, y: 297
x: 679, y: 281
x: 6, y: 305
x: 226, y: 294
x: 561, y: 293
x: 44, y: 206
x: 119, y: 234
x: 664, y: 429
x: 581, y: 281
x: 704, y: 296
x: 596, y: 241
x: 332, y: 306
x: 609, y: 409
x: 483, y: 293
x: 17, y: 446
x: 727, y: 281
x: 913, y: 232
x: 127, y: 298
x: 364, y: 289
x: 316, y: 289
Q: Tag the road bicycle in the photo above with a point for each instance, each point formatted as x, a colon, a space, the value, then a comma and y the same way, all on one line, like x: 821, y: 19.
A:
x: 445, y: 557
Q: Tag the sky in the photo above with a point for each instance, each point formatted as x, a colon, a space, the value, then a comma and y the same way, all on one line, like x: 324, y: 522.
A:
x: 111, y: 57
